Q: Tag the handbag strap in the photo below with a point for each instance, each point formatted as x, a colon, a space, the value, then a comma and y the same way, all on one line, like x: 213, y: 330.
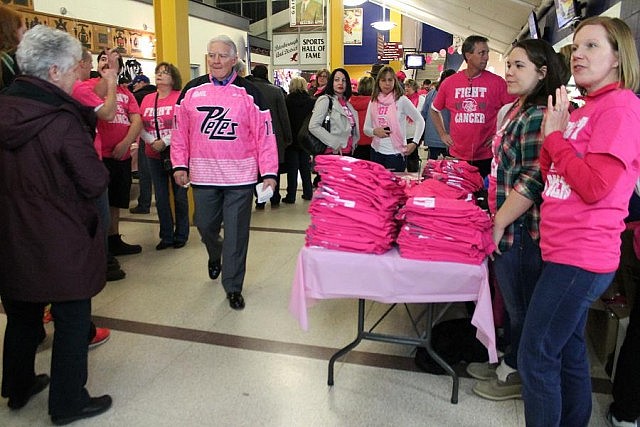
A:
x: 155, y: 116
x: 330, y: 106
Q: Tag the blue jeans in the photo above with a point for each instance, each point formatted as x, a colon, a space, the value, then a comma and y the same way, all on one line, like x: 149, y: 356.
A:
x: 394, y: 162
x: 552, y: 358
x: 517, y: 271
x: 160, y: 180
x: 144, y: 182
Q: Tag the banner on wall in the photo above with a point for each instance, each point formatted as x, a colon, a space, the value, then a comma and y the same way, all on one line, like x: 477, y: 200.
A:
x: 305, y: 49
x: 286, y: 49
x: 353, y: 26
x: 306, y: 13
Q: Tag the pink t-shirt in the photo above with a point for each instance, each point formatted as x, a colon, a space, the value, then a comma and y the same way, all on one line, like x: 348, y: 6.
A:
x: 84, y: 94
x: 165, y: 120
x: 474, y: 105
x: 572, y: 231
x: 111, y: 133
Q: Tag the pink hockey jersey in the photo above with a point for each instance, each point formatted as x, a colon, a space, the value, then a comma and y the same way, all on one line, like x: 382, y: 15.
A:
x: 223, y: 134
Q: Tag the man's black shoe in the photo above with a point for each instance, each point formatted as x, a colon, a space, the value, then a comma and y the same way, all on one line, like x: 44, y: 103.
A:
x: 235, y: 300
x: 215, y: 268
x: 163, y: 245
x: 178, y: 245
x: 40, y: 383
x: 118, y: 247
x: 260, y: 206
x: 96, y: 406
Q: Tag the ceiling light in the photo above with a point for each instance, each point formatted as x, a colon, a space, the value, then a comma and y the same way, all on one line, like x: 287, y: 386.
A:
x: 353, y: 2
x: 383, y: 25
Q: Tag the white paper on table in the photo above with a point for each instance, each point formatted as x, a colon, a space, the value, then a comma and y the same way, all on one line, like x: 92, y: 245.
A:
x: 263, y: 194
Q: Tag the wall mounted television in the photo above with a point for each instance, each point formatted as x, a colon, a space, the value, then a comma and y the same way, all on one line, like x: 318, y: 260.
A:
x: 414, y: 61
x: 566, y: 12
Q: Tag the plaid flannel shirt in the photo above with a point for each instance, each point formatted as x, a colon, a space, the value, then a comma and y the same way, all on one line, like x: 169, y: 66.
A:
x: 519, y: 168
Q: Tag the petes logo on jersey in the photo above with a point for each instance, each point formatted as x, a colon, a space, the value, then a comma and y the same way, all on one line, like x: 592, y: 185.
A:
x: 217, y: 125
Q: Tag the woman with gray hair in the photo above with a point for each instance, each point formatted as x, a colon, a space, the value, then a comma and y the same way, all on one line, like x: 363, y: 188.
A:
x: 53, y: 249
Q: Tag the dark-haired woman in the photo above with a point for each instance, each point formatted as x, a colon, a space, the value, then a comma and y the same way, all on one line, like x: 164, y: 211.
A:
x: 533, y: 73
x: 344, y: 133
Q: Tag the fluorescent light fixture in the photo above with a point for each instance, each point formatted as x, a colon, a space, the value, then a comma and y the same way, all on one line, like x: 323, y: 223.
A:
x: 383, y: 25
x: 353, y: 2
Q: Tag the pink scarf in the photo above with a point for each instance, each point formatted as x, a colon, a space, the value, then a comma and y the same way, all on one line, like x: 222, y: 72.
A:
x: 385, y: 113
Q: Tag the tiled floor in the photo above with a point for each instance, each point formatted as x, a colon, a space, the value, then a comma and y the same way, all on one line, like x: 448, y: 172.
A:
x: 179, y: 356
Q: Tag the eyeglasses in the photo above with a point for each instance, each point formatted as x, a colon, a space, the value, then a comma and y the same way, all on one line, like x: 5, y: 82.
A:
x: 163, y: 72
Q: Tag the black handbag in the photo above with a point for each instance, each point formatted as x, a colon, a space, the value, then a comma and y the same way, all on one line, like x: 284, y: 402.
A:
x: 165, y: 155
x: 309, y: 142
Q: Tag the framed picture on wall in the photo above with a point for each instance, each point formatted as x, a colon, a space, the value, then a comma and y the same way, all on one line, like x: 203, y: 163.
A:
x: 352, y: 25
x: 306, y: 13
x: 31, y: 20
x: 101, y: 38
x: 19, y: 4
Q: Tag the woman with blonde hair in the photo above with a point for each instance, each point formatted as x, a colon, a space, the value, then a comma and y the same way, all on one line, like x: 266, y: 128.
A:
x: 590, y: 161
x: 299, y: 106
x: 385, y: 122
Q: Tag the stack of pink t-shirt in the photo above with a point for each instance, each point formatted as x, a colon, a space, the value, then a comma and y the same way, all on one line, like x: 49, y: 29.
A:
x: 355, y: 205
x: 455, y: 173
x: 444, y: 229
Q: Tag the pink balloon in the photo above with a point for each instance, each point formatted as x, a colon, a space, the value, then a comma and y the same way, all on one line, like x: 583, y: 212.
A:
x: 428, y: 59
x: 440, y: 67
x: 442, y: 52
x: 451, y: 50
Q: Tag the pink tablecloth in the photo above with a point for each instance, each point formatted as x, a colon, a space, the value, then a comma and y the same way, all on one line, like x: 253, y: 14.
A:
x: 388, y: 278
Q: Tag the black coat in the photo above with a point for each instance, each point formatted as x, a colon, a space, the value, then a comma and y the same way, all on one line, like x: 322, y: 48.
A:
x: 299, y: 106
x: 53, y: 246
x: 274, y: 96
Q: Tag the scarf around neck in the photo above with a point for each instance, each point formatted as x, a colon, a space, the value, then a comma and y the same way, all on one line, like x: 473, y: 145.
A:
x: 385, y: 113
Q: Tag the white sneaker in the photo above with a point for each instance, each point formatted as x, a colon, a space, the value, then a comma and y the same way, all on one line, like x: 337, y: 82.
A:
x: 614, y: 422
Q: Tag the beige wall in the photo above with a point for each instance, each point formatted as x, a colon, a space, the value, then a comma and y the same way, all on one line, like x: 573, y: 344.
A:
x: 135, y: 15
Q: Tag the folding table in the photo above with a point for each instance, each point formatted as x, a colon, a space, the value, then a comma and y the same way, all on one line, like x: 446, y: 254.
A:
x: 389, y: 278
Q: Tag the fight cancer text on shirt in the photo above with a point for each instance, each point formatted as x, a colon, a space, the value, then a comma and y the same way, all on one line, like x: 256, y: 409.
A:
x: 469, y: 105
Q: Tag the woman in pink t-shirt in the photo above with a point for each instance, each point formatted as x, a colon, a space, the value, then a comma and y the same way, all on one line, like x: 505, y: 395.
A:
x: 589, y: 162
x: 158, y: 124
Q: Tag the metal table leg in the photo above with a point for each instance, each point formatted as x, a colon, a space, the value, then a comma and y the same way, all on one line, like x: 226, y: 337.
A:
x: 424, y: 341
x: 351, y: 345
